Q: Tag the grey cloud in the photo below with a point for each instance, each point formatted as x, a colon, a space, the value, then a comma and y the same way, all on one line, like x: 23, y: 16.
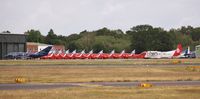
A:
x: 73, y: 16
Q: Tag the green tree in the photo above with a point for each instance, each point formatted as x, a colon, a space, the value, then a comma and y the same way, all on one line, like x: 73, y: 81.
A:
x: 52, y: 38
x: 195, y: 33
x: 107, y: 32
x: 69, y: 42
x: 73, y: 46
x: 34, y: 36
x: 145, y: 37
x: 103, y: 31
x: 141, y: 28
x: 98, y: 47
x: 185, y: 30
x: 86, y: 41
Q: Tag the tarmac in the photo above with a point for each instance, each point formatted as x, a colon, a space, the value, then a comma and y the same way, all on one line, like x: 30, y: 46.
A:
x: 36, y: 86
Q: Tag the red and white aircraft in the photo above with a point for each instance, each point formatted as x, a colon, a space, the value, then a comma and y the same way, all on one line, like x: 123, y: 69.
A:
x: 139, y: 56
x: 167, y: 54
x: 79, y: 55
x: 50, y: 55
x: 106, y: 55
x: 118, y: 55
x: 96, y: 56
x: 128, y: 55
x: 87, y: 56
x: 70, y: 55
x: 62, y: 55
x: 59, y: 55
x: 101, y: 55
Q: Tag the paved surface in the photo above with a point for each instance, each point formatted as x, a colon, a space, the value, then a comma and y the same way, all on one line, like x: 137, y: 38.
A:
x: 161, y: 83
x: 62, y: 85
x: 35, y: 86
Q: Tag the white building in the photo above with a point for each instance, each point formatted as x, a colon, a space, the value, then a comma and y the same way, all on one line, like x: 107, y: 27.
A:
x: 197, y: 51
x: 36, y: 47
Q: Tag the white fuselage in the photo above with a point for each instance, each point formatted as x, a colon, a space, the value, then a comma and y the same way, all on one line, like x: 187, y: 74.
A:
x: 159, y: 54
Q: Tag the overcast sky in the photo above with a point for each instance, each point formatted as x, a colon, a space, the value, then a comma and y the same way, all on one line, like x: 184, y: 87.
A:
x: 73, y: 16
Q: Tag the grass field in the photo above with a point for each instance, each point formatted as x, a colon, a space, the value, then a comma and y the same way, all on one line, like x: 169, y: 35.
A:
x: 51, y: 71
x: 98, y: 62
x: 89, y: 72
x: 185, y: 92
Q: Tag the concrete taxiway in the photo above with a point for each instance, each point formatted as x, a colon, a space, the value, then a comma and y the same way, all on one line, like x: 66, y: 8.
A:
x: 33, y: 86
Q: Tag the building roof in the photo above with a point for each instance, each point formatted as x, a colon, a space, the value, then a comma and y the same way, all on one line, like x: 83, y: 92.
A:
x: 10, y: 34
x: 198, y: 46
x: 12, y: 38
x: 38, y: 44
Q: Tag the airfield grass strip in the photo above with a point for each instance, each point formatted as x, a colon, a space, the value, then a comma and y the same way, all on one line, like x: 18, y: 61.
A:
x: 56, y: 74
x: 100, y: 92
x: 99, y: 62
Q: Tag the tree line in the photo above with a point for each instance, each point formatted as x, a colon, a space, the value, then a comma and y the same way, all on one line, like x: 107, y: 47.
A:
x: 140, y: 37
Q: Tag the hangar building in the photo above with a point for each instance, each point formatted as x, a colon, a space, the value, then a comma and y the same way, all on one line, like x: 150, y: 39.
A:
x: 12, y: 43
x: 33, y: 47
x: 197, y: 51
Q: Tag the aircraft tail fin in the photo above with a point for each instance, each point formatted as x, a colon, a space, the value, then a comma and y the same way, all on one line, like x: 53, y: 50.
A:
x: 101, y: 52
x: 45, y: 51
x: 60, y: 51
x: 91, y: 52
x: 122, y: 52
x: 67, y: 52
x: 74, y: 52
x: 188, y: 50
x: 178, y: 50
x: 83, y: 52
x: 52, y: 51
x: 133, y: 52
x: 112, y: 52
x: 41, y: 53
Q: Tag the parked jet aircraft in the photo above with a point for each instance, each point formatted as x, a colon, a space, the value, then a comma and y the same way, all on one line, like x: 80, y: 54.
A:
x: 79, y: 55
x: 122, y: 55
x: 107, y: 55
x: 70, y: 55
x: 118, y: 55
x: 58, y: 55
x: 25, y: 55
x: 62, y: 55
x: 128, y: 55
x: 167, y: 54
x: 50, y: 55
x: 96, y: 56
x: 187, y: 54
x: 139, y: 56
x: 87, y: 56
